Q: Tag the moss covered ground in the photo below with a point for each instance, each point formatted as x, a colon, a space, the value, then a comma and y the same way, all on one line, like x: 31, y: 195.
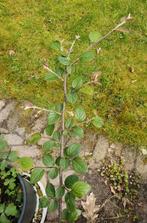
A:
x: 26, y: 32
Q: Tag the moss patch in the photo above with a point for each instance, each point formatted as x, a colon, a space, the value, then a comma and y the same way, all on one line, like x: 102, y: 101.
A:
x: 27, y: 30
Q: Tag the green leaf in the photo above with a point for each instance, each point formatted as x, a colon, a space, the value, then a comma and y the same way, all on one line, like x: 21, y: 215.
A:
x: 77, y: 131
x: 43, y: 202
x: 80, y: 189
x: 80, y: 114
x: 72, y: 97
x: 55, y: 45
x: 53, y: 173
x: 50, y: 190
x: 4, y: 219
x: 56, y: 135
x: 53, y: 117
x: 94, y: 36
x: 3, y: 144
x: 13, y: 156
x: 53, y: 205
x: 62, y: 162
x: 79, y: 165
x: 26, y: 163
x: 71, y: 215
x: 73, y: 150
x: 2, y: 208
x: 33, y: 139
x: 88, y: 56
x: 48, y: 160
x: 36, y: 175
x: 49, y: 145
x: 69, y: 123
x: 77, y: 83
x: 63, y: 60
x: 11, y: 210
x: 70, y: 201
x: 51, y: 76
x: 70, y: 180
x: 49, y: 129
x: 97, y: 122
x: 88, y: 90
x: 60, y: 192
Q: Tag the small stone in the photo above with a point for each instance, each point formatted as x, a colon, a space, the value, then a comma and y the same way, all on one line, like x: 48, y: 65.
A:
x: 141, y: 167
x: 13, y: 139
x: 29, y: 151
x: 20, y: 132
x: 6, y: 111
x: 129, y: 155
x: 40, y: 123
x: 101, y: 149
x: 2, y: 104
x: 143, y: 149
x: 3, y: 131
x: 12, y: 121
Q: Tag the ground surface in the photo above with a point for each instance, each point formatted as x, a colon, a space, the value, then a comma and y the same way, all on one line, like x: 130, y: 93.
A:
x: 26, y: 32
x: 16, y: 126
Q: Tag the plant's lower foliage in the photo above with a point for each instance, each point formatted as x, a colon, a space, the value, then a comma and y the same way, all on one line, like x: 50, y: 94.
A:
x: 10, y: 195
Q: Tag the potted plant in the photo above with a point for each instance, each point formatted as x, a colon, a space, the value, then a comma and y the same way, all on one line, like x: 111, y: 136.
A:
x: 65, y: 121
x: 18, y: 197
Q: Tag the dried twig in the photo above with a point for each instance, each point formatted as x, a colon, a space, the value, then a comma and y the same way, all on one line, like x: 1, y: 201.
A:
x: 123, y: 21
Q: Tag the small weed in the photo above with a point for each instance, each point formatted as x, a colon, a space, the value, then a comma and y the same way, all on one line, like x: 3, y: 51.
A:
x: 122, y: 182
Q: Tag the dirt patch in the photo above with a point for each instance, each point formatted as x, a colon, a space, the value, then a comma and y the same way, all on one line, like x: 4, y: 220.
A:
x: 113, y: 210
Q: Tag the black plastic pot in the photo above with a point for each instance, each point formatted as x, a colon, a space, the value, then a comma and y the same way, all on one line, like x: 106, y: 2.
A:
x: 29, y: 201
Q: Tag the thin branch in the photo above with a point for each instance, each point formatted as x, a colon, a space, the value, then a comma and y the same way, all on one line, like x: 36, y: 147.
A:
x: 112, y: 218
x: 62, y: 144
x: 41, y: 109
x: 50, y: 70
x: 106, y: 201
x: 43, y: 167
x: 127, y: 18
x: 77, y: 37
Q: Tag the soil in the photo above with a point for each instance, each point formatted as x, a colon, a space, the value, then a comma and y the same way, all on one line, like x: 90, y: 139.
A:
x: 113, y: 211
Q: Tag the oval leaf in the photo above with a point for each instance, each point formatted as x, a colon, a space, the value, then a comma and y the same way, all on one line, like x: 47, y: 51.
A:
x: 53, y: 117
x: 49, y: 145
x: 62, y: 162
x: 63, y: 60
x: 3, y: 144
x: 43, y: 202
x: 26, y: 163
x: 49, y: 129
x: 88, y: 56
x: 77, y: 131
x: 48, y: 160
x: 53, y: 205
x: 60, y: 192
x: 80, y: 114
x: 80, y: 189
x: 53, y: 173
x: 73, y: 150
x: 33, y: 139
x: 97, y: 122
x: 79, y: 165
x: 50, y: 190
x: 72, y: 97
x: 36, y: 175
x: 77, y: 83
x: 56, y: 45
x: 94, y: 36
x: 70, y: 180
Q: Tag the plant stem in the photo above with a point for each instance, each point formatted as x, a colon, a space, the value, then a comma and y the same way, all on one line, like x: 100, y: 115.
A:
x: 62, y: 144
x: 93, y: 45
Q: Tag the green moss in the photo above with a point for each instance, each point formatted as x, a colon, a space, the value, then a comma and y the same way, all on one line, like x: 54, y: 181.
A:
x: 28, y: 28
